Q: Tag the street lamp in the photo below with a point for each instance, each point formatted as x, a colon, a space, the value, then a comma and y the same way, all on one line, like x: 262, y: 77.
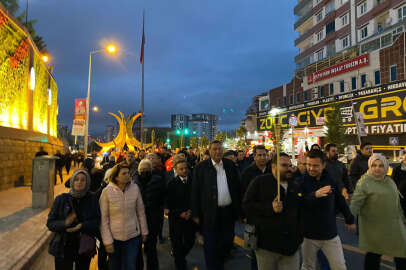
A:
x: 45, y: 58
x: 95, y: 108
x: 111, y: 49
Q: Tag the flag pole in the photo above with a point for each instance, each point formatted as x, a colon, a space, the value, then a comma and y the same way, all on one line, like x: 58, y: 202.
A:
x: 142, y: 93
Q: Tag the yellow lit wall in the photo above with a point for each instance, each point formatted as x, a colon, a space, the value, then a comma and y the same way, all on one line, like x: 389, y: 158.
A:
x: 21, y: 107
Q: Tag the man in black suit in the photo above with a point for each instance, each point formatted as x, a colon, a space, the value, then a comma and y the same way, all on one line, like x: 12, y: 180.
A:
x: 216, y: 204
x: 182, y: 229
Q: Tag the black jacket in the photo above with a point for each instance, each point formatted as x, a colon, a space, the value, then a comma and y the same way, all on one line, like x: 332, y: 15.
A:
x: 204, y: 192
x: 359, y: 166
x: 153, y: 193
x: 88, y: 212
x: 319, y: 214
x: 337, y: 170
x: 179, y: 194
x: 399, y: 176
x: 249, y: 174
x: 277, y: 232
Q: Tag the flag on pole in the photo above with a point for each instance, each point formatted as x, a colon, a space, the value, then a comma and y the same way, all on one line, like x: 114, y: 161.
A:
x: 143, y: 40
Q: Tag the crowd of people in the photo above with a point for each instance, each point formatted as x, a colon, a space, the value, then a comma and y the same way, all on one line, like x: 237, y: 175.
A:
x: 116, y: 205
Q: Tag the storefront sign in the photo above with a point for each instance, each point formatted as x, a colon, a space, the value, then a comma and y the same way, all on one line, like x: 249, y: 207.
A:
x: 79, y: 117
x: 344, y: 67
x: 383, y: 109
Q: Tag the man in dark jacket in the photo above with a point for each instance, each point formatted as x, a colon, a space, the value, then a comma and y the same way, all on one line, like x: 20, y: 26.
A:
x: 321, y: 200
x: 153, y: 191
x: 216, y: 202
x: 399, y: 176
x: 337, y: 170
x: 277, y: 222
x: 259, y: 167
x: 182, y: 229
x: 359, y: 165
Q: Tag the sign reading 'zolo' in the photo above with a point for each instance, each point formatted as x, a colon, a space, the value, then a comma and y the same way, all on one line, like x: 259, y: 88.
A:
x: 344, y: 67
x: 383, y: 109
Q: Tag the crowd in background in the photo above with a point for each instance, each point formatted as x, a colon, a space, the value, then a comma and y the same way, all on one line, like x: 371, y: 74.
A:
x: 118, y: 201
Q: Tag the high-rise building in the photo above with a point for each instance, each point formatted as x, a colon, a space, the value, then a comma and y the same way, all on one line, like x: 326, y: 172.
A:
x: 204, y: 124
x: 179, y: 121
x: 110, y: 132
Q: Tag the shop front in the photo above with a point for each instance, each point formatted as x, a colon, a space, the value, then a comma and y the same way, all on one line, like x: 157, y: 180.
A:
x: 383, y: 108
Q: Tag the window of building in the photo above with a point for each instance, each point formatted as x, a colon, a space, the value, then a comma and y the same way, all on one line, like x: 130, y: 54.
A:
x: 354, y: 83
x: 291, y: 100
x: 393, y: 73
x: 377, y: 77
x: 305, y: 96
x: 344, y: 19
x: 364, y: 32
x: 319, y: 35
x: 363, y: 80
x: 346, y: 42
x: 298, y: 95
x: 402, y: 13
x: 319, y: 55
x: 285, y: 102
x: 342, y: 86
x: 279, y: 102
x: 319, y: 16
x: 264, y: 105
x: 330, y: 27
x: 321, y: 91
x: 331, y: 89
x: 363, y: 8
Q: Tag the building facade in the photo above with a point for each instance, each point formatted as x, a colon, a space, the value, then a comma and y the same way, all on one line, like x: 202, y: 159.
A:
x: 180, y: 121
x: 351, y: 55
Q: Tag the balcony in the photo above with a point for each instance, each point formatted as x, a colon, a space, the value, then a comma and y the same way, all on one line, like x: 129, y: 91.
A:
x: 329, y: 61
x: 303, y: 18
x: 301, y: 5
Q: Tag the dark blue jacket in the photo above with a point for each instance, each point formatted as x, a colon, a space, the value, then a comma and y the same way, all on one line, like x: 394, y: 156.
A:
x: 319, y: 214
x: 88, y: 212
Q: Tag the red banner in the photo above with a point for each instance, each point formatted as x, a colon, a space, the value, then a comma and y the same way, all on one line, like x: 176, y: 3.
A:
x: 79, y: 117
x: 344, y: 67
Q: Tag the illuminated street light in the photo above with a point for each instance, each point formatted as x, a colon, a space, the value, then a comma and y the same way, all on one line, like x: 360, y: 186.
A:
x: 111, y: 49
x: 45, y: 58
x: 95, y: 109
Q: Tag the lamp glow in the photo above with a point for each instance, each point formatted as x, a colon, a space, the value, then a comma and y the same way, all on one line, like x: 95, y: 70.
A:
x: 45, y: 58
x: 32, y: 78
x: 111, y: 48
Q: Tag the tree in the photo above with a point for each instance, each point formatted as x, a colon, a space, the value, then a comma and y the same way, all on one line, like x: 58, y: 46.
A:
x: 335, y: 127
x: 241, y: 132
x: 221, y: 136
x: 204, y: 141
x: 194, y: 142
x: 11, y: 5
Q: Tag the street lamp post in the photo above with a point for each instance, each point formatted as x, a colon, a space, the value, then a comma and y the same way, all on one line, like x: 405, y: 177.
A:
x: 110, y: 49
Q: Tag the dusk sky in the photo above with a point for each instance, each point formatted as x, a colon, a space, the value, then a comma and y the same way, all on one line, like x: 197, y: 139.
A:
x: 201, y: 56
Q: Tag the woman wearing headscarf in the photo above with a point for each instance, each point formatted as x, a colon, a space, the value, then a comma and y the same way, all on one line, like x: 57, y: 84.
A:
x: 74, y: 219
x: 381, y: 222
x: 123, y: 222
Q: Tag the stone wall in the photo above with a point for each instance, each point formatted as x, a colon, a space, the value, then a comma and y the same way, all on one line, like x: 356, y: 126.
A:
x: 16, y: 156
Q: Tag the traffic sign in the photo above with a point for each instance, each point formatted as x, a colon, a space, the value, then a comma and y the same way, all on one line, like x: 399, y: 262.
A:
x: 293, y: 121
x: 394, y: 140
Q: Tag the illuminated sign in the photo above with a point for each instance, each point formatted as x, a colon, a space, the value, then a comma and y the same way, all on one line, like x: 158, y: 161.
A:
x: 383, y: 108
x: 344, y: 67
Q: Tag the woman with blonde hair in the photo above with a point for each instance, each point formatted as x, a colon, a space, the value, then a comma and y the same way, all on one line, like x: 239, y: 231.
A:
x: 123, y: 222
x: 382, y: 227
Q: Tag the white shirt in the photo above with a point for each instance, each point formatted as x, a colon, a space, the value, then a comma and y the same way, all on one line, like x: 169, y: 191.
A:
x: 184, y: 180
x: 223, y: 194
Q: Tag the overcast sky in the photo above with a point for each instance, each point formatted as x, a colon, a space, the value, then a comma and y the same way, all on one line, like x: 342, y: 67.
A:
x: 205, y: 56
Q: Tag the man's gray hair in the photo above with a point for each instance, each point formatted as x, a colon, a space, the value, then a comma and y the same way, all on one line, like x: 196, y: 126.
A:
x: 145, y: 161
